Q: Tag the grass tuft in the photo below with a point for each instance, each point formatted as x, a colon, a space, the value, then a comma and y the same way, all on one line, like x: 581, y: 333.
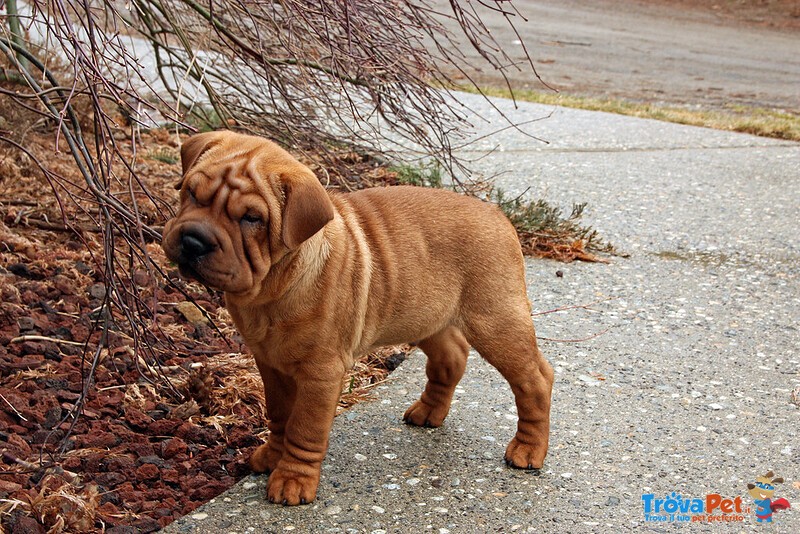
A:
x: 163, y: 154
x: 421, y: 175
x: 545, y: 231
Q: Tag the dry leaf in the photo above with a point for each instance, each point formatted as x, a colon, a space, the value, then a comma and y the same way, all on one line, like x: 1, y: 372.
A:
x: 192, y: 313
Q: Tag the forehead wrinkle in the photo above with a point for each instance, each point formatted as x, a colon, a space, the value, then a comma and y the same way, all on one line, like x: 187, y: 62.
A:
x: 204, y: 185
x: 232, y: 155
x: 234, y: 200
x: 262, y: 188
x: 238, y: 183
x: 239, y: 174
x: 221, y: 200
x: 256, y: 180
x: 235, y: 160
x: 266, y: 182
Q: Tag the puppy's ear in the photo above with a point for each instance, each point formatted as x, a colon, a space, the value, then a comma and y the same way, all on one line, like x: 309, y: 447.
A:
x: 307, y: 208
x: 193, y: 148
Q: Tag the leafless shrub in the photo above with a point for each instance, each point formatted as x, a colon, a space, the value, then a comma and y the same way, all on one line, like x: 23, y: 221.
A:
x: 307, y: 72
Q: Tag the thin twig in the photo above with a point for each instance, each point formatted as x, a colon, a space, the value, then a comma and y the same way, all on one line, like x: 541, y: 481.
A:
x: 69, y: 476
x: 574, y: 307
x: 13, y: 408
x: 55, y: 227
x: 20, y: 339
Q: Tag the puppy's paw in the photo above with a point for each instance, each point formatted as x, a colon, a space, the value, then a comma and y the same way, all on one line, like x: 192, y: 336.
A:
x: 290, y: 489
x: 264, y: 459
x: 521, y: 455
x: 422, y: 414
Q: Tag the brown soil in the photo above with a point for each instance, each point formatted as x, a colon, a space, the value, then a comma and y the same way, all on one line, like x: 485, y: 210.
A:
x: 777, y: 14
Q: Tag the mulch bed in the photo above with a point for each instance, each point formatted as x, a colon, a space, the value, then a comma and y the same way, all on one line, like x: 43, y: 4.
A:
x: 135, y: 456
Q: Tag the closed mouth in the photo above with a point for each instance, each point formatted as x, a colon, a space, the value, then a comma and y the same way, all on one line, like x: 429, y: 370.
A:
x: 190, y: 270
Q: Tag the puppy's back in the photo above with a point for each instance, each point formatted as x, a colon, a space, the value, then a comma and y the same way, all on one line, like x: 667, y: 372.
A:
x: 436, y: 253
x: 438, y: 219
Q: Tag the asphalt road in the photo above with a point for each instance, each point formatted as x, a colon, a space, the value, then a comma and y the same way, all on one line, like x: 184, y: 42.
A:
x: 649, y: 52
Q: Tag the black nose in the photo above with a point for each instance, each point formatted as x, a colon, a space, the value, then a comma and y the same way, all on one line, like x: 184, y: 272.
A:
x: 194, y: 246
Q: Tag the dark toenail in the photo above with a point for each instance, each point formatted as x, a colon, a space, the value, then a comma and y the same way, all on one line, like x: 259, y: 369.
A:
x: 303, y: 501
x: 285, y: 502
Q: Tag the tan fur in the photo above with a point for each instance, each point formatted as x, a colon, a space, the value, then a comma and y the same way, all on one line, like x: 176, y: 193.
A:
x: 354, y: 272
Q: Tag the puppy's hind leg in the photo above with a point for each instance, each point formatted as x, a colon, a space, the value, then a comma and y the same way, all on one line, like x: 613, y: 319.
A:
x: 447, y: 352
x: 508, y: 342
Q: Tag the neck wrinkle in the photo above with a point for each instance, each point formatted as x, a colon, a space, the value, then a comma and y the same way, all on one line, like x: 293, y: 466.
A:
x: 291, y: 278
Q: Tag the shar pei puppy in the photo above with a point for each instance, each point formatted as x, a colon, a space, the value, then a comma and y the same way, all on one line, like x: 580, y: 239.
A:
x: 315, y: 279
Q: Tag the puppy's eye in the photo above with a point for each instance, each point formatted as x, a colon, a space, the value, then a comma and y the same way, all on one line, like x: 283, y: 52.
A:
x: 251, y: 218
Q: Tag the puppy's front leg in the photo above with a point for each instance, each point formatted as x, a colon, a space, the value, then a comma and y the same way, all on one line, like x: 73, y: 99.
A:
x: 279, y: 393
x: 296, y: 477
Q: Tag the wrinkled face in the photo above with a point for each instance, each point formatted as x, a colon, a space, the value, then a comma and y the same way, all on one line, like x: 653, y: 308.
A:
x: 245, y: 203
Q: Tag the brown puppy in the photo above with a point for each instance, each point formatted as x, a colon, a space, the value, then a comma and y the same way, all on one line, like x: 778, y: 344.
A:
x: 313, y: 280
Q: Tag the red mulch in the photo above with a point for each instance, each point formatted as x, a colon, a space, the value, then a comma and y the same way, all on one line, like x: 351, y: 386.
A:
x: 149, y: 460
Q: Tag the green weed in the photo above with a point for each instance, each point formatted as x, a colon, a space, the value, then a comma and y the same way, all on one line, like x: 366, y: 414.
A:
x: 163, y: 154
x: 544, y: 230
x: 422, y: 175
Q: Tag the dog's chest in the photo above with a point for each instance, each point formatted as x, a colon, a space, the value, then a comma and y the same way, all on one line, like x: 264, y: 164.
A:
x: 276, y: 342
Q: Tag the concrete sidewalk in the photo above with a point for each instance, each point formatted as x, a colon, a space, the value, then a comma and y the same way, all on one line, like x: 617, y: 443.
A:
x: 688, y: 390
